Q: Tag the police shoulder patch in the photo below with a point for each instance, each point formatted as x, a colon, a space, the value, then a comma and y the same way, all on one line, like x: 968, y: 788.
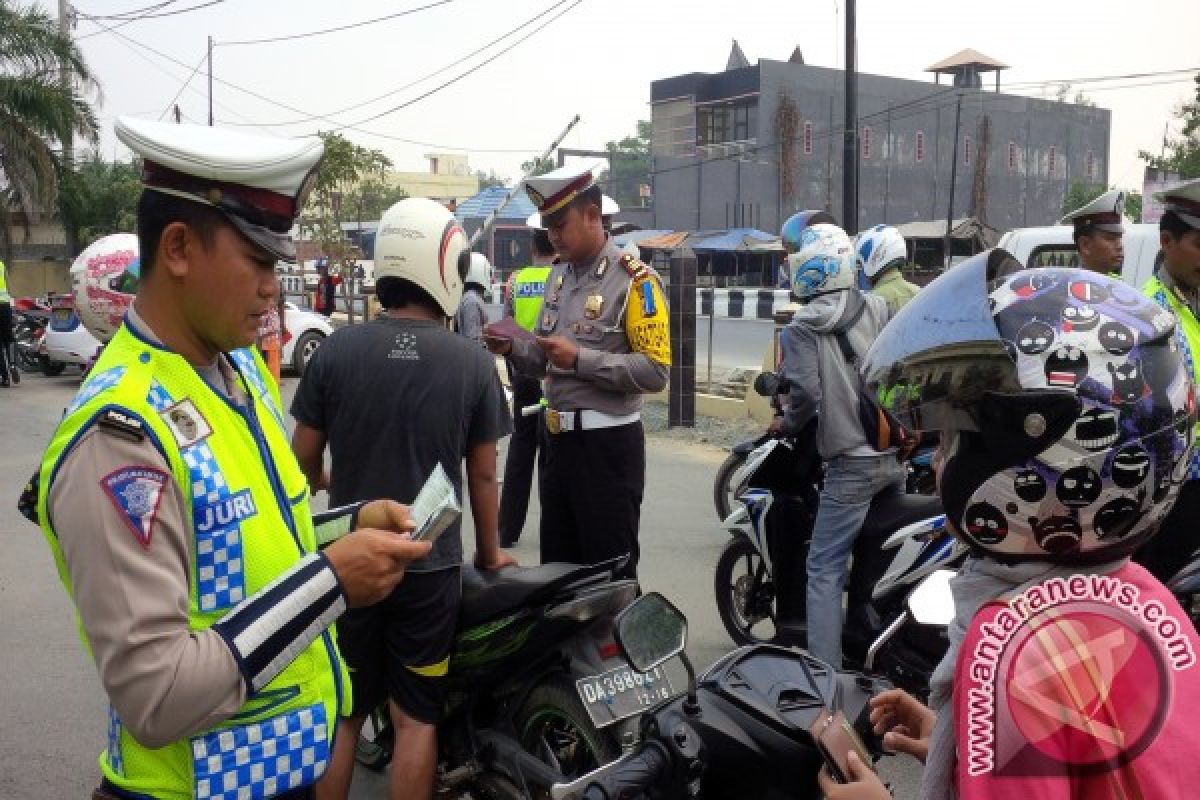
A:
x: 634, y: 267
x: 136, y: 493
x: 119, y: 423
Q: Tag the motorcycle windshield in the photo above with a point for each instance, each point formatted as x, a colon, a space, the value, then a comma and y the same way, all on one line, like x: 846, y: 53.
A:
x: 938, y: 355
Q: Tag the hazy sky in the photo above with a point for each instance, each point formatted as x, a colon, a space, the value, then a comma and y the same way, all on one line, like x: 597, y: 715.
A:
x: 598, y: 60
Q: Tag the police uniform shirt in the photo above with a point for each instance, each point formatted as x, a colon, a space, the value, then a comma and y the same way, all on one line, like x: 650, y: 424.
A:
x: 598, y: 305
x: 133, y: 600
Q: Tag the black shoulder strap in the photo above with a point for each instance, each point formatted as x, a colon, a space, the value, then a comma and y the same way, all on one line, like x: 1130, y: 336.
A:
x: 840, y: 331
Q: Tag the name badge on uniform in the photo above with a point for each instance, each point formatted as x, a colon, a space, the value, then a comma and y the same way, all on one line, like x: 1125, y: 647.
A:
x: 549, y: 319
x: 557, y: 288
x: 602, y: 267
x: 186, y: 423
x: 592, y: 306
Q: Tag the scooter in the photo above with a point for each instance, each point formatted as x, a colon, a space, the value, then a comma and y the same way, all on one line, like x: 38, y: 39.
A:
x: 538, y: 691
x: 760, y: 722
x: 903, y: 540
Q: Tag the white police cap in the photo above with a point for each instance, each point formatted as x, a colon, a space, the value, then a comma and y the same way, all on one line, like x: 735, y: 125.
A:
x: 259, y: 183
x: 552, y: 191
x: 1184, y: 200
x: 1102, y: 214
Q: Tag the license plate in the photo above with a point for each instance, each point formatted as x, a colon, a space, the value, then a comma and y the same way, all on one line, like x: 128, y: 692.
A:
x: 622, y: 692
x: 62, y: 315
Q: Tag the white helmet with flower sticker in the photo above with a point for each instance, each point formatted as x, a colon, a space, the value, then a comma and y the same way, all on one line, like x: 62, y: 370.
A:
x: 104, y: 279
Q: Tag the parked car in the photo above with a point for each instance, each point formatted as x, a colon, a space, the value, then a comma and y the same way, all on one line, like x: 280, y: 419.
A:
x: 1053, y: 246
x: 68, y: 342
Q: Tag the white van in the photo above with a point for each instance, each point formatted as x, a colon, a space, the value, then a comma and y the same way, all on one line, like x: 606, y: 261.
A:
x: 1053, y: 246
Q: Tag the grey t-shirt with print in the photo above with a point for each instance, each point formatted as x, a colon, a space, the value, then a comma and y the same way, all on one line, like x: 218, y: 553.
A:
x: 395, y: 397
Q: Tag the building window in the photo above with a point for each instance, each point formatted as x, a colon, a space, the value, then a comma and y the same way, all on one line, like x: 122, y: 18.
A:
x: 726, y: 123
x: 966, y: 151
x: 1012, y: 156
x: 1051, y: 161
x: 920, y: 146
x: 866, y: 143
x: 808, y: 139
x: 1091, y: 165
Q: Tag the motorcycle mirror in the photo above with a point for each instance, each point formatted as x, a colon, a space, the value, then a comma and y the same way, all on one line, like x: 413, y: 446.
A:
x: 932, y: 602
x: 650, y: 631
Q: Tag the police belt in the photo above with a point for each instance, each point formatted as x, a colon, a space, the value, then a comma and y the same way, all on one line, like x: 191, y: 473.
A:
x: 586, y: 420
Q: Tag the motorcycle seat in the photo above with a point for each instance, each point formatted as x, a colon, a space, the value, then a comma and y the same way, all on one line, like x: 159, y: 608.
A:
x: 892, y: 511
x: 490, y: 594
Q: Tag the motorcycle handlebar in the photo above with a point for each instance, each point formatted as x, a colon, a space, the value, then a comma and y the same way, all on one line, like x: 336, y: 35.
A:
x: 637, y: 774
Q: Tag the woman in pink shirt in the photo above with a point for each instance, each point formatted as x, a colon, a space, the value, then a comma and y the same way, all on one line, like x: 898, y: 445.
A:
x: 1066, y: 414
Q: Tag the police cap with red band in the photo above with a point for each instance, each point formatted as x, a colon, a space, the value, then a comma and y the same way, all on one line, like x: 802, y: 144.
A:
x: 259, y: 183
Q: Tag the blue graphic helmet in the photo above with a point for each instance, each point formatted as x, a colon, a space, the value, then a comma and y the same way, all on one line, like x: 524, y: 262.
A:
x: 823, y: 262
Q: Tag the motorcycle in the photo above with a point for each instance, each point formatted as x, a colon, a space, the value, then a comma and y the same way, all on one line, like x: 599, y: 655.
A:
x: 903, y: 539
x: 1185, y: 585
x: 29, y: 328
x: 538, y: 691
x: 735, y: 474
x: 760, y: 722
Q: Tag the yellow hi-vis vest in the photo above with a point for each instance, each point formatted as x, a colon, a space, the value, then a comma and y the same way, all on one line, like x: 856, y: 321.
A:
x: 5, y: 297
x: 529, y: 287
x: 248, y: 502
x: 1187, y: 334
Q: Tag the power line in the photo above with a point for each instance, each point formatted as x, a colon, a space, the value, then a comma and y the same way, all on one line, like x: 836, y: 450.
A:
x: 126, y: 18
x: 195, y: 69
x: 468, y: 72
x: 135, y: 11
x: 328, y: 115
x: 324, y: 31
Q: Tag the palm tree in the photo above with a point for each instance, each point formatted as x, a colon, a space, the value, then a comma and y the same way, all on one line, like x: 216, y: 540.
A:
x: 38, y: 110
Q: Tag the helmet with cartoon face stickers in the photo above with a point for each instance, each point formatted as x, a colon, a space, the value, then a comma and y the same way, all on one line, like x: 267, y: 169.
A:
x: 1065, y: 408
x: 824, y: 263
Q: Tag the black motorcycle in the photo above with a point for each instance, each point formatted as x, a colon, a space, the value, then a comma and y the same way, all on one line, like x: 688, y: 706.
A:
x: 539, y: 692
x: 761, y: 722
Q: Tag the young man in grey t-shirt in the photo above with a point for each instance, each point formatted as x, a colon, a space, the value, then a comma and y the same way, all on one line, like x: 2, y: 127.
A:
x: 392, y: 399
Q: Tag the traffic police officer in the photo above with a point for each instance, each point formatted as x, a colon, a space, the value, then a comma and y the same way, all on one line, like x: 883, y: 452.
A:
x: 603, y: 340
x: 1177, y: 287
x: 175, y: 511
x: 523, y: 302
x: 1098, y: 232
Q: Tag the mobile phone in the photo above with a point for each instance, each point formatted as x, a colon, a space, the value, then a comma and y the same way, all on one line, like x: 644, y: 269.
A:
x: 835, y: 739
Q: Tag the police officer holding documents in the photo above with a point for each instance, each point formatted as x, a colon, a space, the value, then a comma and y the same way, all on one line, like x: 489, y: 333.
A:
x: 602, y: 341
x: 1098, y: 232
x: 175, y: 511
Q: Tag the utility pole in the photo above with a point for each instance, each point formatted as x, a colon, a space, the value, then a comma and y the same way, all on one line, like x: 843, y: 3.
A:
x: 953, y: 179
x: 850, y: 134
x: 68, y: 142
x: 210, y: 114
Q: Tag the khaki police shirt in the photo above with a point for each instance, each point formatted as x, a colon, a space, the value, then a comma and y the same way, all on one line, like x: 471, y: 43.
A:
x: 165, y: 681
x: 598, y: 305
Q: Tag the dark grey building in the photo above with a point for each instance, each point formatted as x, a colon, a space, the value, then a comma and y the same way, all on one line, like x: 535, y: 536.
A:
x: 751, y: 145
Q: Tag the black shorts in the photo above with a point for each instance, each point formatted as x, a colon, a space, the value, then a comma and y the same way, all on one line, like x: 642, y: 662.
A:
x: 399, y: 649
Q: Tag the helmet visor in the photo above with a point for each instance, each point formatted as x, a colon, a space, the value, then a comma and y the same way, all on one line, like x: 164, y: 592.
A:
x: 942, y: 353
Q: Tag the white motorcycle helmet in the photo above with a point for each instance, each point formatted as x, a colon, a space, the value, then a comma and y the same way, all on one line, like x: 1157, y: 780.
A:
x: 480, y: 272
x: 878, y: 249
x: 104, y: 279
x: 608, y: 206
x: 823, y: 262
x: 421, y: 241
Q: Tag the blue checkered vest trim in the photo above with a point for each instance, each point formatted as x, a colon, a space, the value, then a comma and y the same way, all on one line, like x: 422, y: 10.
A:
x: 248, y: 506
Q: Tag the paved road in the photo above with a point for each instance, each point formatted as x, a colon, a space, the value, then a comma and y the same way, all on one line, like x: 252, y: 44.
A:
x: 51, y: 701
x: 736, y: 343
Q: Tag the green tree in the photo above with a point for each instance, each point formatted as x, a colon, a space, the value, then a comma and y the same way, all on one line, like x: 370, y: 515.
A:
x: 342, y: 172
x: 1133, y: 206
x: 1063, y: 95
x: 37, y: 111
x: 629, y: 165
x: 100, y: 197
x: 1181, y: 155
x: 538, y: 165
x: 375, y: 196
x: 1080, y: 194
x: 489, y: 179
